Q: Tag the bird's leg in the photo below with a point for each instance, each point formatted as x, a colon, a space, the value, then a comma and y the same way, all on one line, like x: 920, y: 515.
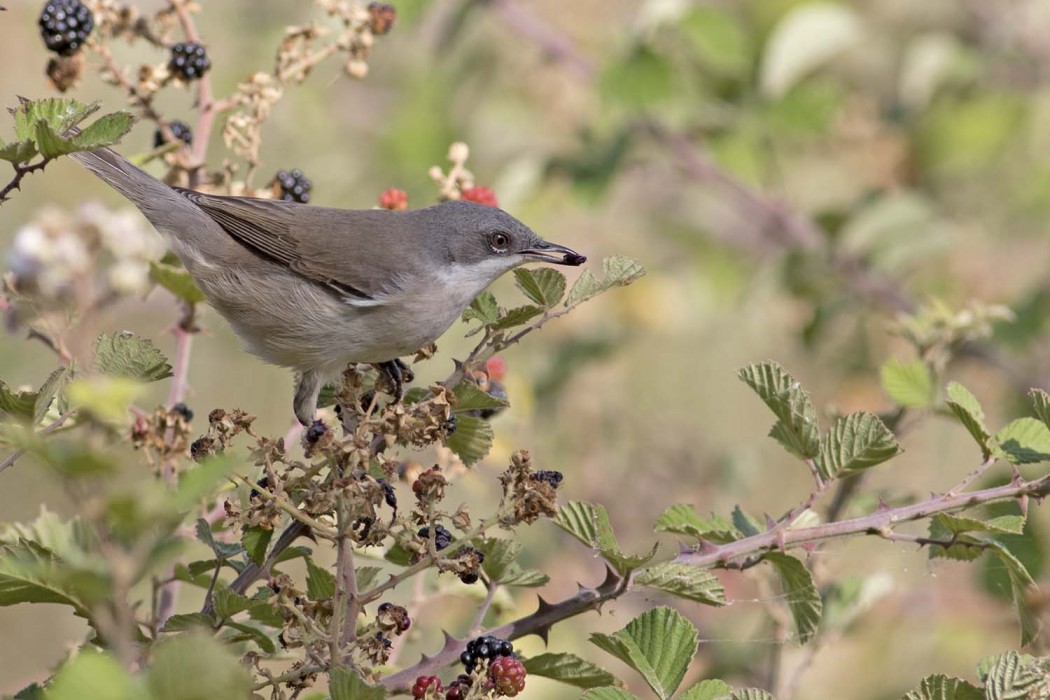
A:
x: 396, y: 376
x: 306, y: 393
x: 407, y: 375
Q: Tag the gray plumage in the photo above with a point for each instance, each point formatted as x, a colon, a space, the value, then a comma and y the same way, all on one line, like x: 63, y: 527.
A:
x: 315, y: 288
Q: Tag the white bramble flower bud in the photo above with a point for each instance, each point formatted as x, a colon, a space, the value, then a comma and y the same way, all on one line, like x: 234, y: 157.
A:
x: 129, y: 276
x: 436, y: 174
x: 458, y: 152
x: 356, y: 68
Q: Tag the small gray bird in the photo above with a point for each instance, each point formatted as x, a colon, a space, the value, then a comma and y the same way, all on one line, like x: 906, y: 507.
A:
x: 313, y: 288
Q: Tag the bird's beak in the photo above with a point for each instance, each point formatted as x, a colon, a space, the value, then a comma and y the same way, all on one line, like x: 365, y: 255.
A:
x: 554, y: 253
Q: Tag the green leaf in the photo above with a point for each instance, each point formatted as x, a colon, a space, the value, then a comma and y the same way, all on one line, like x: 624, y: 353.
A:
x: 797, y: 428
x: 18, y: 152
x: 255, y: 541
x: 104, y: 131
x: 483, y: 308
x: 1013, y: 676
x: 366, y: 576
x: 500, y: 554
x: 640, y: 79
x: 659, y: 644
x: 345, y: 684
x: 228, y: 602
x: 1041, y: 403
x: 617, y: 271
x: 682, y: 519
x: 52, y: 385
x: 33, y: 691
x: 177, y: 281
x: 516, y: 317
x: 544, y: 286
x: 19, y: 405
x: 469, y: 397
x: 718, y: 39
x: 127, y: 355
x: 909, y: 384
x: 250, y: 633
x: 750, y: 694
x: 1021, y: 585
x: 223, y: 550
x: 189, y: 621
x: 570, y: 669
x: 1025, y: 441
x: 590, y: 524
x: 472, y: 439
x: 856, y: 442
x: 746, y: 525
x: 195, y: 666
x: 942, y: 687
x: 1002, y: 525
x: 320, y: 582
x: 59, y: 113
x: 524, y: 578
x: 32, y: 573
x: 50, y: 144
x: 706, y: 690
x: 684, y: 581
x: 968, y: 410
x: 803, y: 600
x: 94, y: 675
x: 608, y: 693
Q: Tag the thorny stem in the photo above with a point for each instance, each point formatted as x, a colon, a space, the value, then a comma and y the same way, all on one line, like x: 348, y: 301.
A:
x: 974, y: 475
x: 318, y: 528
x: 20, y: 172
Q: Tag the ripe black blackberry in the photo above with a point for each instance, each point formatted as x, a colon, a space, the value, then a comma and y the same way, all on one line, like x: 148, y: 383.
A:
x: 389, y: 494
x: 549, y: 476
x: 189, y: 60
x: 449, y: 427
x: 179, y: 129
x: 183, y: 410
x: 316, y: 431
x: 65, y: 25
x: 293, y: 186
x: 442, y: 537
x: 487, y: 648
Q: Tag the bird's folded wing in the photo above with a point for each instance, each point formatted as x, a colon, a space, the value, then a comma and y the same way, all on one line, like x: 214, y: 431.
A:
x: 306, y: 239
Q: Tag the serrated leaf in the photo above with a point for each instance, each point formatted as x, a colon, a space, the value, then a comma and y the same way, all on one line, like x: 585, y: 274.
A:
x: 568, y: 668
x: 659, y: 644
x: 60, y: 113
x: 590, y: 524
x: 253, y: 634
x: 177, y: 281
x: 908, y: 384
x: 195, y: 666
x: 31, y: 573
x: 1024, y: 441
x: 1021, y: 586
x: 524, y: 578
x: 608, y: 693
x: 223, y: 550
x: 472, y: 439
x: 345, y: 684
x: 18, y: 152
x: 106, y: 398
x: 366, y: 576
x: 500, y: 554
x: 255, y: 541
x: 1041, y: 403
x: 797, y: 428
x: 1013, y: 676
x: 104, y: 131
x: 228, y: 602
x: 682, y: 519
x: 127, y: 355
x: 516, y: 317
x: 484, y: 308
x: 711, y: 689
x: 188, y: 621
x: 544, y: 286
x: 942, y: 687
x: 95, y: 675
x: 617, y: 271
x: 968, y: 410
x: 1003, y: 524
x: 856, y: 442
x: 320, y: 582
x: 801, y: 594
x: 470, y: 397
x: 19, y: 405
x: 50, y: 144
x: 750, y: 694
x: 51, y: 386
x: 684, y: 581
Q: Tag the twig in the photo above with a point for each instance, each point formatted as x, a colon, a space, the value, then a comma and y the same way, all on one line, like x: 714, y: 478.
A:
x: 318, y: 528
x: 49, y: 428
x: 483, y: 610
x: 20, y: 172
x: 973, y: 476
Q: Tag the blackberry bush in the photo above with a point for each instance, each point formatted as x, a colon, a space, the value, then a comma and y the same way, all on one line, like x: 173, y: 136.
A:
x: 292, y: 186
x: 189, y: 60
x: 65, y: 25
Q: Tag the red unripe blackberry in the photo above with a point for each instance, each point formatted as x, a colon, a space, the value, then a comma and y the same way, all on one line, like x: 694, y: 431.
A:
x: 189, y: 60
x: 508, y: 674
x: 496, y: 368
x: 381, y: 17
x: 480, y: 195
x: 179, y: 129
x: 293, y: 186
x: 424, y: 683
x: 65, y: 25
x: 394, y: 199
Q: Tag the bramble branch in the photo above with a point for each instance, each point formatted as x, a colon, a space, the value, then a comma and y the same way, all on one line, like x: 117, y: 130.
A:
x: 20, y: 172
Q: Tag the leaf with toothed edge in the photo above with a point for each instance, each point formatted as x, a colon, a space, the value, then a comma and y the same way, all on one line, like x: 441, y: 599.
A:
x: 682, y: 519
x: 942, y: 687
x: 968, y: 410
x: 684, y: 581
x: 472, y: 440
x: 803, y: 599
x: 590, y: 524
x: 1021, y: 586
x: 568, y: 668
x: 608, y: 693
x: 320, y: 582
x: 796, y: 428
x: 544, y: 286
x: 617, y: 271
x: 255, y: 541
x: 367, y: 576
x: 711, y: 689
x: 1041, y: 403
x: 470, y: 397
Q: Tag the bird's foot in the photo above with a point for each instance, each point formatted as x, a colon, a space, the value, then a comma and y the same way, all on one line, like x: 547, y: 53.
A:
x: 397, y: 374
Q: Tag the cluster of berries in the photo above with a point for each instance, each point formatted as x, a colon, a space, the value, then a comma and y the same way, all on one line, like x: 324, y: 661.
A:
x: 393, y: 617
x: 65, y: 25
x: 292, y: 186
x: 548, y: 476
x: 189, y: 60
x: 179, y: 129
x: 490, y: 381
x: 394, y: 199
x: 484, y: 648
x: 442, y: 537
x: 479, y: 194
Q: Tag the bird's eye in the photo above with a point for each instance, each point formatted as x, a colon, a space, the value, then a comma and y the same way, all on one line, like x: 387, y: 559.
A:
x: 499, y: 241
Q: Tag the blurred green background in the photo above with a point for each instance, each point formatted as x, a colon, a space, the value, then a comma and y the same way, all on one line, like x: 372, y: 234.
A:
x: 702, y: 138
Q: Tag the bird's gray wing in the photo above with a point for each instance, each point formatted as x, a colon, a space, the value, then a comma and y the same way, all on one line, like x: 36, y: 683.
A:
x: 326, y: 246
